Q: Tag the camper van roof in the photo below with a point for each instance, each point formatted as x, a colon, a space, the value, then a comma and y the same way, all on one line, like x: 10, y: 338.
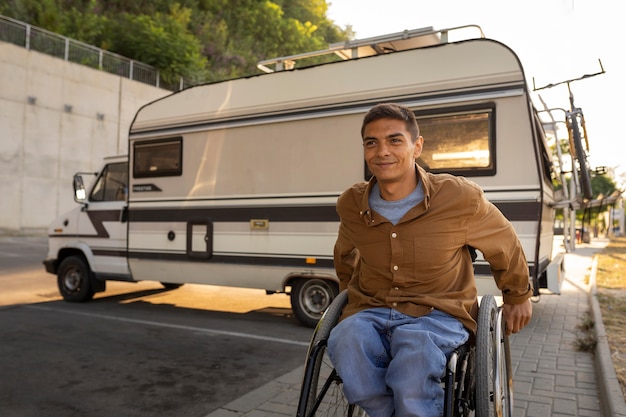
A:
x: 471, y: 65
x: 357, y: 48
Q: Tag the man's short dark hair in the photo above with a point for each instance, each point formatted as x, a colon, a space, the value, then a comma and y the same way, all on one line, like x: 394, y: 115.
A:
x: 392, y: 111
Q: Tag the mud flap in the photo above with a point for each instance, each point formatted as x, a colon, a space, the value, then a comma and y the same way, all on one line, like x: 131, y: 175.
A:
x: 98, y: 285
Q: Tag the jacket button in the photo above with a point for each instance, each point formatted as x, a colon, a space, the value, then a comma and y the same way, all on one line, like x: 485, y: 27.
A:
x: 395, y: 267
x: 394, y: 235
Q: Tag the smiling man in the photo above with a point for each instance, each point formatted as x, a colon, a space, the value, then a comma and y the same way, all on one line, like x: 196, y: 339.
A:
x: 390, y: 152
x: 402, y: 253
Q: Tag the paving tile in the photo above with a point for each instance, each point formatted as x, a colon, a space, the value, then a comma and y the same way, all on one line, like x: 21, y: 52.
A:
x: 550, y: 377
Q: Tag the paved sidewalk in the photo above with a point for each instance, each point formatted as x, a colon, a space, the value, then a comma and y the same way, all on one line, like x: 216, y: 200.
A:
x: 550, y: 377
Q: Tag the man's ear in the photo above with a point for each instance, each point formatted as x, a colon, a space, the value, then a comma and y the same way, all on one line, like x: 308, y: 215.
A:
x: 419, y: 143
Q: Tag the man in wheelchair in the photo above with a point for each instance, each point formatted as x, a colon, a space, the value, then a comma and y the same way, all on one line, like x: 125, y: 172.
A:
x: 402, y: 253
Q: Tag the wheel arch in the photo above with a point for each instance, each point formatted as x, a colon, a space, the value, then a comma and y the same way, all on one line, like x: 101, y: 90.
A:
x: 83, y: 251
x: 80, y: 249
x: 290, y: 279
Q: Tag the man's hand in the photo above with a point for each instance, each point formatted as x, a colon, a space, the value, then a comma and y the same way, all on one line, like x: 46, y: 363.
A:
x: 516, y: 316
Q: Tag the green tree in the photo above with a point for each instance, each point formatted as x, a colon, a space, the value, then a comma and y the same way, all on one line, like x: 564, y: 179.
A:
x: 314, y: 11
x: 44, y: 13
x: 85, y: 23
x: 161, y: 40
x: 602, y: 184
x: 204, y: 40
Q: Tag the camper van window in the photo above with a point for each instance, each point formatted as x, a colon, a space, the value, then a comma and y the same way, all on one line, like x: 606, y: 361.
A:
x: 112, y: 184
x: 460, y: 143
x: 158, y: 158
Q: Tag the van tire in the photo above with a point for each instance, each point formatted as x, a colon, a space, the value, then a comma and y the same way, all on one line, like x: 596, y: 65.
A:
x: 74, y: 280
x: 310, y: 297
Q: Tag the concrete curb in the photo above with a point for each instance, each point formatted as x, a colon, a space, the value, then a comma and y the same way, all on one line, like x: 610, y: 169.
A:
x: 611, y: 396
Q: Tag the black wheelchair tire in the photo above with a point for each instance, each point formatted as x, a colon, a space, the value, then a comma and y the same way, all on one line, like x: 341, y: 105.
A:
x: 493, y: 365
x: 329, y: 387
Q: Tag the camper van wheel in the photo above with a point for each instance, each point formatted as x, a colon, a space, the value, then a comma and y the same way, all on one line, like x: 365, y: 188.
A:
x: 73, y: 279
x: 171, y: 285
x: 310, y: 298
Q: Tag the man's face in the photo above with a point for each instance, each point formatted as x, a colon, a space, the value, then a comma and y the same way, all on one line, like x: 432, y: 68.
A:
x: 389, y: 152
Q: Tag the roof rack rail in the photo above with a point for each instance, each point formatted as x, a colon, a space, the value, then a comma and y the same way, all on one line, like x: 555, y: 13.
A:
x: 377, y: 45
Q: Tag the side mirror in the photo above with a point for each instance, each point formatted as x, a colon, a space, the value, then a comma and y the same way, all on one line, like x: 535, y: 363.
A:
x: 79, y: 189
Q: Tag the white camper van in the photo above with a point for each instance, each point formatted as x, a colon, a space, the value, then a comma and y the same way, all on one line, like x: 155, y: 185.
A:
x: 234, y: 183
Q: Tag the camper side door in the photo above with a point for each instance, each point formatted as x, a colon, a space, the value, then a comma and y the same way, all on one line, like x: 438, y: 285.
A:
x: 103, y: 223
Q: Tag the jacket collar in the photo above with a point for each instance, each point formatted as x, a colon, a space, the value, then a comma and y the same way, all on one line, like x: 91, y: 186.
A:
x: 371, y: 218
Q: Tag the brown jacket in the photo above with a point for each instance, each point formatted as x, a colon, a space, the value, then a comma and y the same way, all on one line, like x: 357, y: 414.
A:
x: 422, y: 262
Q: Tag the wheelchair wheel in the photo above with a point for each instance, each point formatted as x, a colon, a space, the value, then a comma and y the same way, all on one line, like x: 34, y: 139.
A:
x: 322, y: 388
x: 494, y: 383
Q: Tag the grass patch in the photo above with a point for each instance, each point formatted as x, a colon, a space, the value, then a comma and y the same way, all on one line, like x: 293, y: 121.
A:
x: 611, y: 287
x: 586, y: 340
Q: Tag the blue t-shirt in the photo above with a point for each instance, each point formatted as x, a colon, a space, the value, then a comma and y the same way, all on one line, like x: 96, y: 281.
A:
x: 395, y: 210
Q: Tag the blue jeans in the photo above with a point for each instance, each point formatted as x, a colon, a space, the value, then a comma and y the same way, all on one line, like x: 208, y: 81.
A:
x: 391, y: 363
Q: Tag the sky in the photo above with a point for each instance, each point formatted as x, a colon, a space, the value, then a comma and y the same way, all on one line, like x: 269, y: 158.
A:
x: 556, y: 40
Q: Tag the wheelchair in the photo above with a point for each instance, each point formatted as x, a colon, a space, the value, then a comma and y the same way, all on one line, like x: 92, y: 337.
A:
x: 477, y: 382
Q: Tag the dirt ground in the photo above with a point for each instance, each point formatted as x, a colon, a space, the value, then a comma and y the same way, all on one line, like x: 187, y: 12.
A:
x: 611, y: 287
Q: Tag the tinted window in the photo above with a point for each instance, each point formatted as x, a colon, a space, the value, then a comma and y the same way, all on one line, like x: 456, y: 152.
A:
x: 160, y: 158
x: 458, y: 142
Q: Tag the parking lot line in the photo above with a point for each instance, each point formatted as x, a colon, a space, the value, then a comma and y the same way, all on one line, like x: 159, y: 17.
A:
x: 171, y: 326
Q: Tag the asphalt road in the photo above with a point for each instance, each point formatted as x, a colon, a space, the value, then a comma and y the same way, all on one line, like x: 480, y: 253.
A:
x: 136, y: 349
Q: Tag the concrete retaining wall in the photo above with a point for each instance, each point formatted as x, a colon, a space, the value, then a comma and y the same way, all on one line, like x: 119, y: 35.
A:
x: 56, y: 118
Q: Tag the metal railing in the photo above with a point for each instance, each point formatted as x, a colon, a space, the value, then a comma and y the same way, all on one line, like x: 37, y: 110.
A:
x: 41, y: 40
x: 356, y: 48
